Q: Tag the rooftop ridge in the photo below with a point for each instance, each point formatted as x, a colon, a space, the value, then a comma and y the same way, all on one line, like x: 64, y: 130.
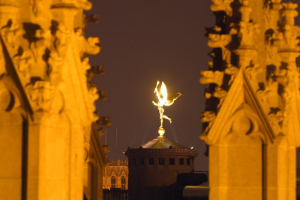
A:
x: 161, y: 142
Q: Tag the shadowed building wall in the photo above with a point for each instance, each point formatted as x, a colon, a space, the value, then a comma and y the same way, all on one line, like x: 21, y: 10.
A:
x: 154, y: 166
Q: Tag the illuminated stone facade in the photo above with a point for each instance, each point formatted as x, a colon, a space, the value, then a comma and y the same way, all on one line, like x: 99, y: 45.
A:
x: 46, y: 99
x: 154, y: 166
x: 116, y: 175
x: 252, y: 116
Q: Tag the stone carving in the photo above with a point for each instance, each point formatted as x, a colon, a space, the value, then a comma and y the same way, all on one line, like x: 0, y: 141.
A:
x: 37, y: 7
x: 253, y: 71
x: 91, y: 84
x: 287, y: 95
x: 209, y: 77
x: 245, y: 10
x: 55, y: 63
x: 273, y: 98
x: 97, y: 70
x: 290, y: 34
x: 91, y: 19
x: 94, y: 70
x: 232, y: 71
x: 89, y: 45
x: 246, y: 33
x: 100, y: 132
x: 290, y: 13
x: 85, y: 63
x: 221, y: 94
x: 41, y: 94
x: 290, y: 31
x: 61, y: 40
x: 102, y: 95
x: 58, y: 102
x: 273, y: 12
x: 84, y: 4
x: 93, y: 94
x: 262, y: 95
x: 220, y: 41
x: 222, y: 5
x: 104, y: 121
x: 282, y: 76
x: 276, y: 120
x: 10, y: 32
x: 60, y: 37
x: 38, y: 39
x: 24, y: 63
x: 208, y: 116
x: 208, y: 94
x: 210, y: 65
x: 274, y: 41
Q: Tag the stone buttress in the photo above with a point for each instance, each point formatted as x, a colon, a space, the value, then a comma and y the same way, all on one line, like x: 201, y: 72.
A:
x: 46, y: 100
x: 251, y: 120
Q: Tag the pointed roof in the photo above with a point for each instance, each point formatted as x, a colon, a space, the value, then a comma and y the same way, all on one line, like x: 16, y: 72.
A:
x: 162, y: 143
x: 240, y: 97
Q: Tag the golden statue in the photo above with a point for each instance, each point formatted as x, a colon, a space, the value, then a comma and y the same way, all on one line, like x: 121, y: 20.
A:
x: 163, y: 100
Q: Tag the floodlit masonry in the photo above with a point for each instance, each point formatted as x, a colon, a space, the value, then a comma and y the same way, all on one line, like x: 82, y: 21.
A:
x: 47, y: 102
x: 252, y: 115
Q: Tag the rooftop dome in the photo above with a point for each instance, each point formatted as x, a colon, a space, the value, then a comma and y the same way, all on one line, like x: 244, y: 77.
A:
x: 162, y: 143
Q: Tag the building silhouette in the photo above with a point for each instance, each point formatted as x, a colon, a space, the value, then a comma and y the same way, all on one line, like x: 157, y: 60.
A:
x: 154, y: 166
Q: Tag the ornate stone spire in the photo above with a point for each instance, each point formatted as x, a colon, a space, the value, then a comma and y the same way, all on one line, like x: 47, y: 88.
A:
x: 252, y: 107
x: 47, y: 99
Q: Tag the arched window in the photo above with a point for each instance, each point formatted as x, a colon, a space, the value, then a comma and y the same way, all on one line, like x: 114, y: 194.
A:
x: 113, y: 182
x: 123, y: 183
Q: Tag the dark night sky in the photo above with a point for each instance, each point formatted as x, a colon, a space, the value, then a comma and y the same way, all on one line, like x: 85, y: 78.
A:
x: 143, y: 41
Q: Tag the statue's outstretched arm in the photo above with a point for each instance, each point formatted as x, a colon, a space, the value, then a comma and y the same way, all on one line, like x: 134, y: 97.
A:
x: 154, y: 103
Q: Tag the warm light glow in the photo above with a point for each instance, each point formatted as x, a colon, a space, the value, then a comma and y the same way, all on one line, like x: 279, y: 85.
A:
x: 163, y: 100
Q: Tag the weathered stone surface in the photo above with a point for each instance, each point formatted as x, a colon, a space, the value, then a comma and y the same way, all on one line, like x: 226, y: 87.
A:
x: 253, y: 128
x: 46, y: 102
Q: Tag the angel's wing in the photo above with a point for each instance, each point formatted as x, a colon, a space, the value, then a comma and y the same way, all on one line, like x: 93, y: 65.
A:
x: 172, y: 98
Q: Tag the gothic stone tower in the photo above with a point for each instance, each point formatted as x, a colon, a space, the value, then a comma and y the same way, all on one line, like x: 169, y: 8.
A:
x: 251, y: 121
x: 46, y: 103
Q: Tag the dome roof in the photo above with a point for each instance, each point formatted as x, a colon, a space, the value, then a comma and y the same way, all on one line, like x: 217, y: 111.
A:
x: 162, y: 143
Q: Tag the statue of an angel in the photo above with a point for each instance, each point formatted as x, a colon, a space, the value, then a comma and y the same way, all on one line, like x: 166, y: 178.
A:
x: 163, y: 100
